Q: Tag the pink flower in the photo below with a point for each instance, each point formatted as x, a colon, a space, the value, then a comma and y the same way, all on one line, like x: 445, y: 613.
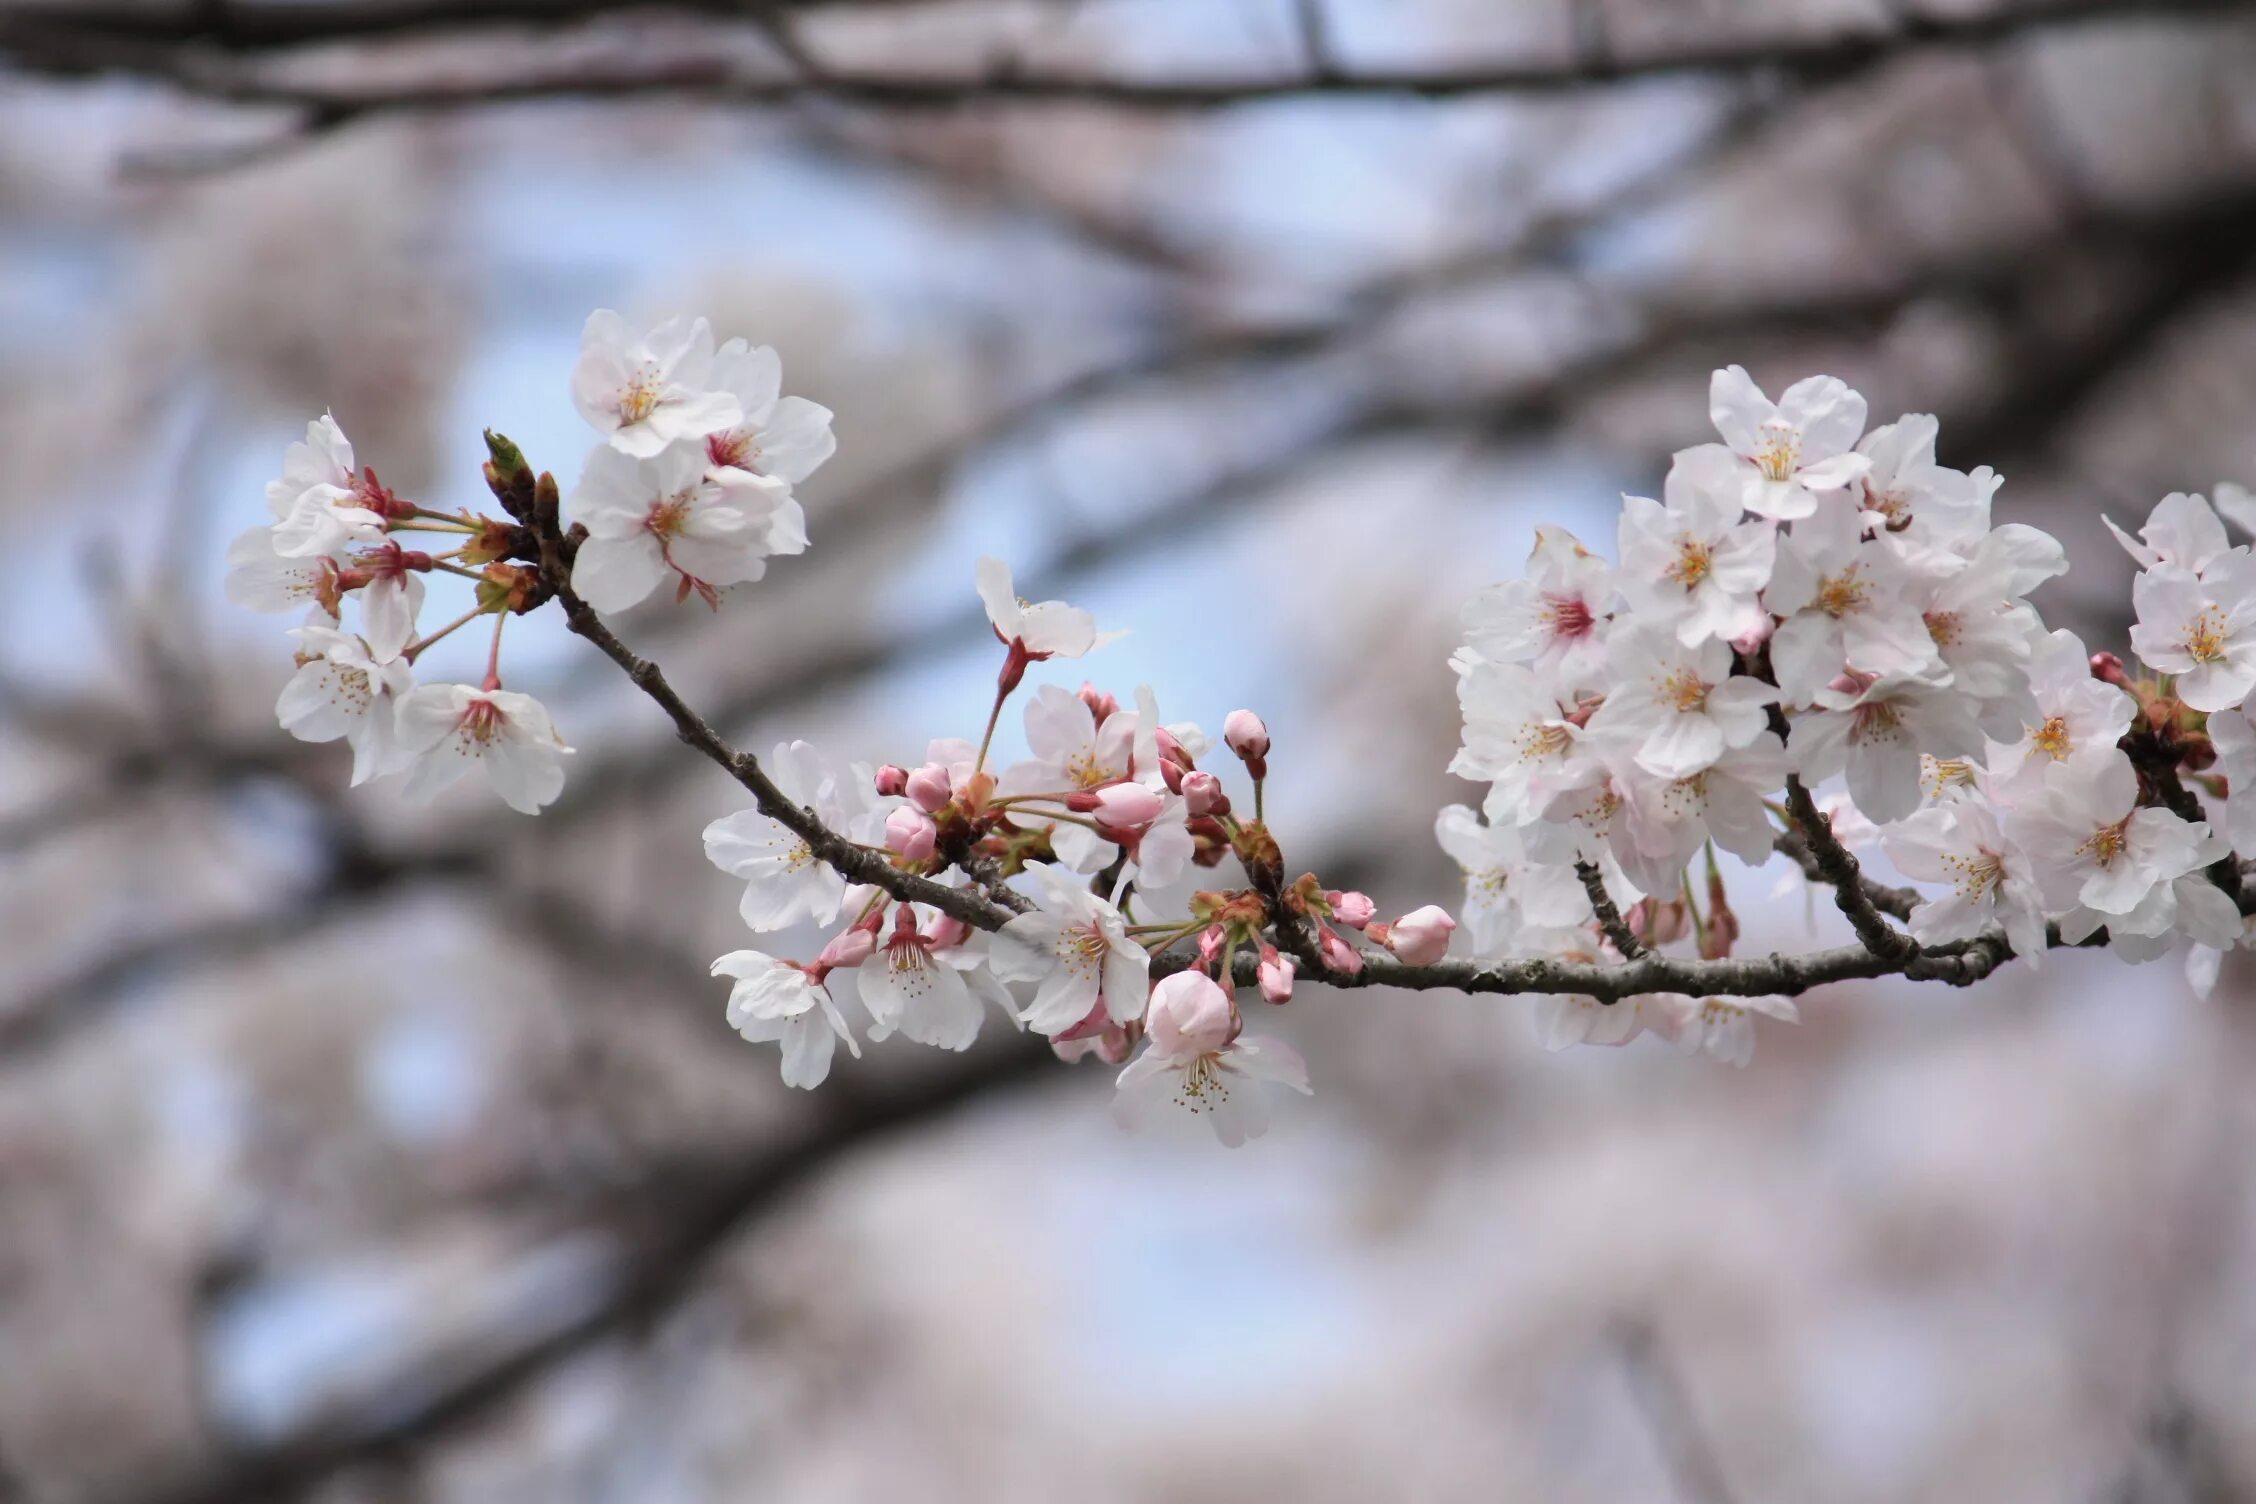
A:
x: 909, y: 831
x: 1421, y: 937
x: 1276, y: 975
x: 1119, y: 806
x: 1246, y: 736
x: 928, y: 787
x: 1350, y: 908
x: 1338, y: 955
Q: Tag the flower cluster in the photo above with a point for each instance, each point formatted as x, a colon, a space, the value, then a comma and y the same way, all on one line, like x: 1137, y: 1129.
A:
x: 1808, y: 601
x: 693, y: 481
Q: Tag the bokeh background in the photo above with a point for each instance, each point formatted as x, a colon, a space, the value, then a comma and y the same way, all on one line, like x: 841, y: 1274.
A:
x: 357, y: 1151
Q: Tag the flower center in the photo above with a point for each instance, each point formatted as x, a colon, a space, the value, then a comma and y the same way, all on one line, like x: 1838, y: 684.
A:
x: 1875, y: 721
x: 670, y: 514
x: 1082, y: 950
x: 1083, y: 771
x: 2052, y: 738
x: 639, y: 399
x: 1978, y: 872
x: 1693, y: 563
x: 1539, y: 740
x: 482, y: 722
x: 1569, y: 615
x: 1840, y: 594
x: 734, y: 447
x: 1686, y: 690
x: 1942, y: 626
x: 1780, y: 452
x: 1205, y: 1086
x: 2105, y: 844
x: 2205, y: 636
x: 1942, y: 773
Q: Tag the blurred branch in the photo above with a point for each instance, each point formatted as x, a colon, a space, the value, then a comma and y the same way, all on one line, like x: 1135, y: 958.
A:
x: 1659, y: 1393
x: 701, y: 1218
x: 205, y: 59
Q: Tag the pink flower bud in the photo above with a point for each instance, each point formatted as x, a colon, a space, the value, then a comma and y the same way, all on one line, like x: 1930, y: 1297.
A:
x: 1202, y: 792
x: 1171, y: 774
x: 1751, y: 640
x: 1338, y: 955
x: 1118, y: 806
x: 928, y: 787
x: 1210, y: 942
x: 1276, y: 975
x: 892, y: 780
x: 1171, y: 750
x: 949, y: 932
x: 1351, y: 908
x: 848, y: 948
x: 1247, y: 737
x: 1101, y: 704
x: 1190, y: 1014
x: 1421, y: 937
x: 910, y: 832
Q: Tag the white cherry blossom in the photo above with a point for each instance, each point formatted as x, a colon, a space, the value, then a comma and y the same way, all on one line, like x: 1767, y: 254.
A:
x: 1517, y: 738
x: 1722, y: 1028
x: 1791, y: 451
x: 1050, y: 629
x: 779, y: 1002
x: 448, y: 728
x: 341, y: 689
x: 1676, y: 709
x: 1874, y: 728
x: 919, y: 980
x: 320, y: 503
x: 1693, y: 566
x: 784, y: 438
x: 259, y: 578
x: 2073, y: 712
x: 1919, y: 506
x: 1196, y: 1059
x: 651, y: 518
x: 1992, y: 879
x: 1504, y: 889
x: 784, y: 881
x: 2182, y: 532
x: 2202, y: 628
x: 1847, y: 603
x: 1075, y: 946
x: 645, y: 391
x: 1555, y: 618
x: 2095, y: 845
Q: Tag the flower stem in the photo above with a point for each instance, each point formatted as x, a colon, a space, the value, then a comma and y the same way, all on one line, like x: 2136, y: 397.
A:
x: 493, y: 657
x: 463, y: 620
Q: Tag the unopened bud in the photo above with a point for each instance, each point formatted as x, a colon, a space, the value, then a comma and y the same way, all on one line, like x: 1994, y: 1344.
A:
x: 928, y: 787
x: 1249, y: 738
x: 1350, y: 908
x: 1102, y: 704
x: 1276, y: 975
x: 909, y: 831
x: 1202, y: 794
x: 2108, y: 668
x: 1338, y: 955
x: 1119, y: 806
x: 892, y: 780
x: 1657, y: 922
x: 849, y: 947
x: 1172, y: 750
x: 1421, y: 937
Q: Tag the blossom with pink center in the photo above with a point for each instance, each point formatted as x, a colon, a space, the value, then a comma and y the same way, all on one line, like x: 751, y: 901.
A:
x: 2095, y: 845
x: 664, y: 516
x: 2073, y: 712
x: 446, y: 729
x: 321, y: 505
x: 259, y: 578
x: 1196, y: 1059
x: 390, y: 598
x: 1677, y: 709
x: 1848, y: 604
x: 1554, y: 619
x: 1874, y: 728
x: 917, y: 981
x: 783, y: 438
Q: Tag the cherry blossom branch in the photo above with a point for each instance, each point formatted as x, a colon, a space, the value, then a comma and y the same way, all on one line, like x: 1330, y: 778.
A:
x: 1839, y: 868
x: 855, y: 862
x: 70, y: 43
x: 1609, y: 918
